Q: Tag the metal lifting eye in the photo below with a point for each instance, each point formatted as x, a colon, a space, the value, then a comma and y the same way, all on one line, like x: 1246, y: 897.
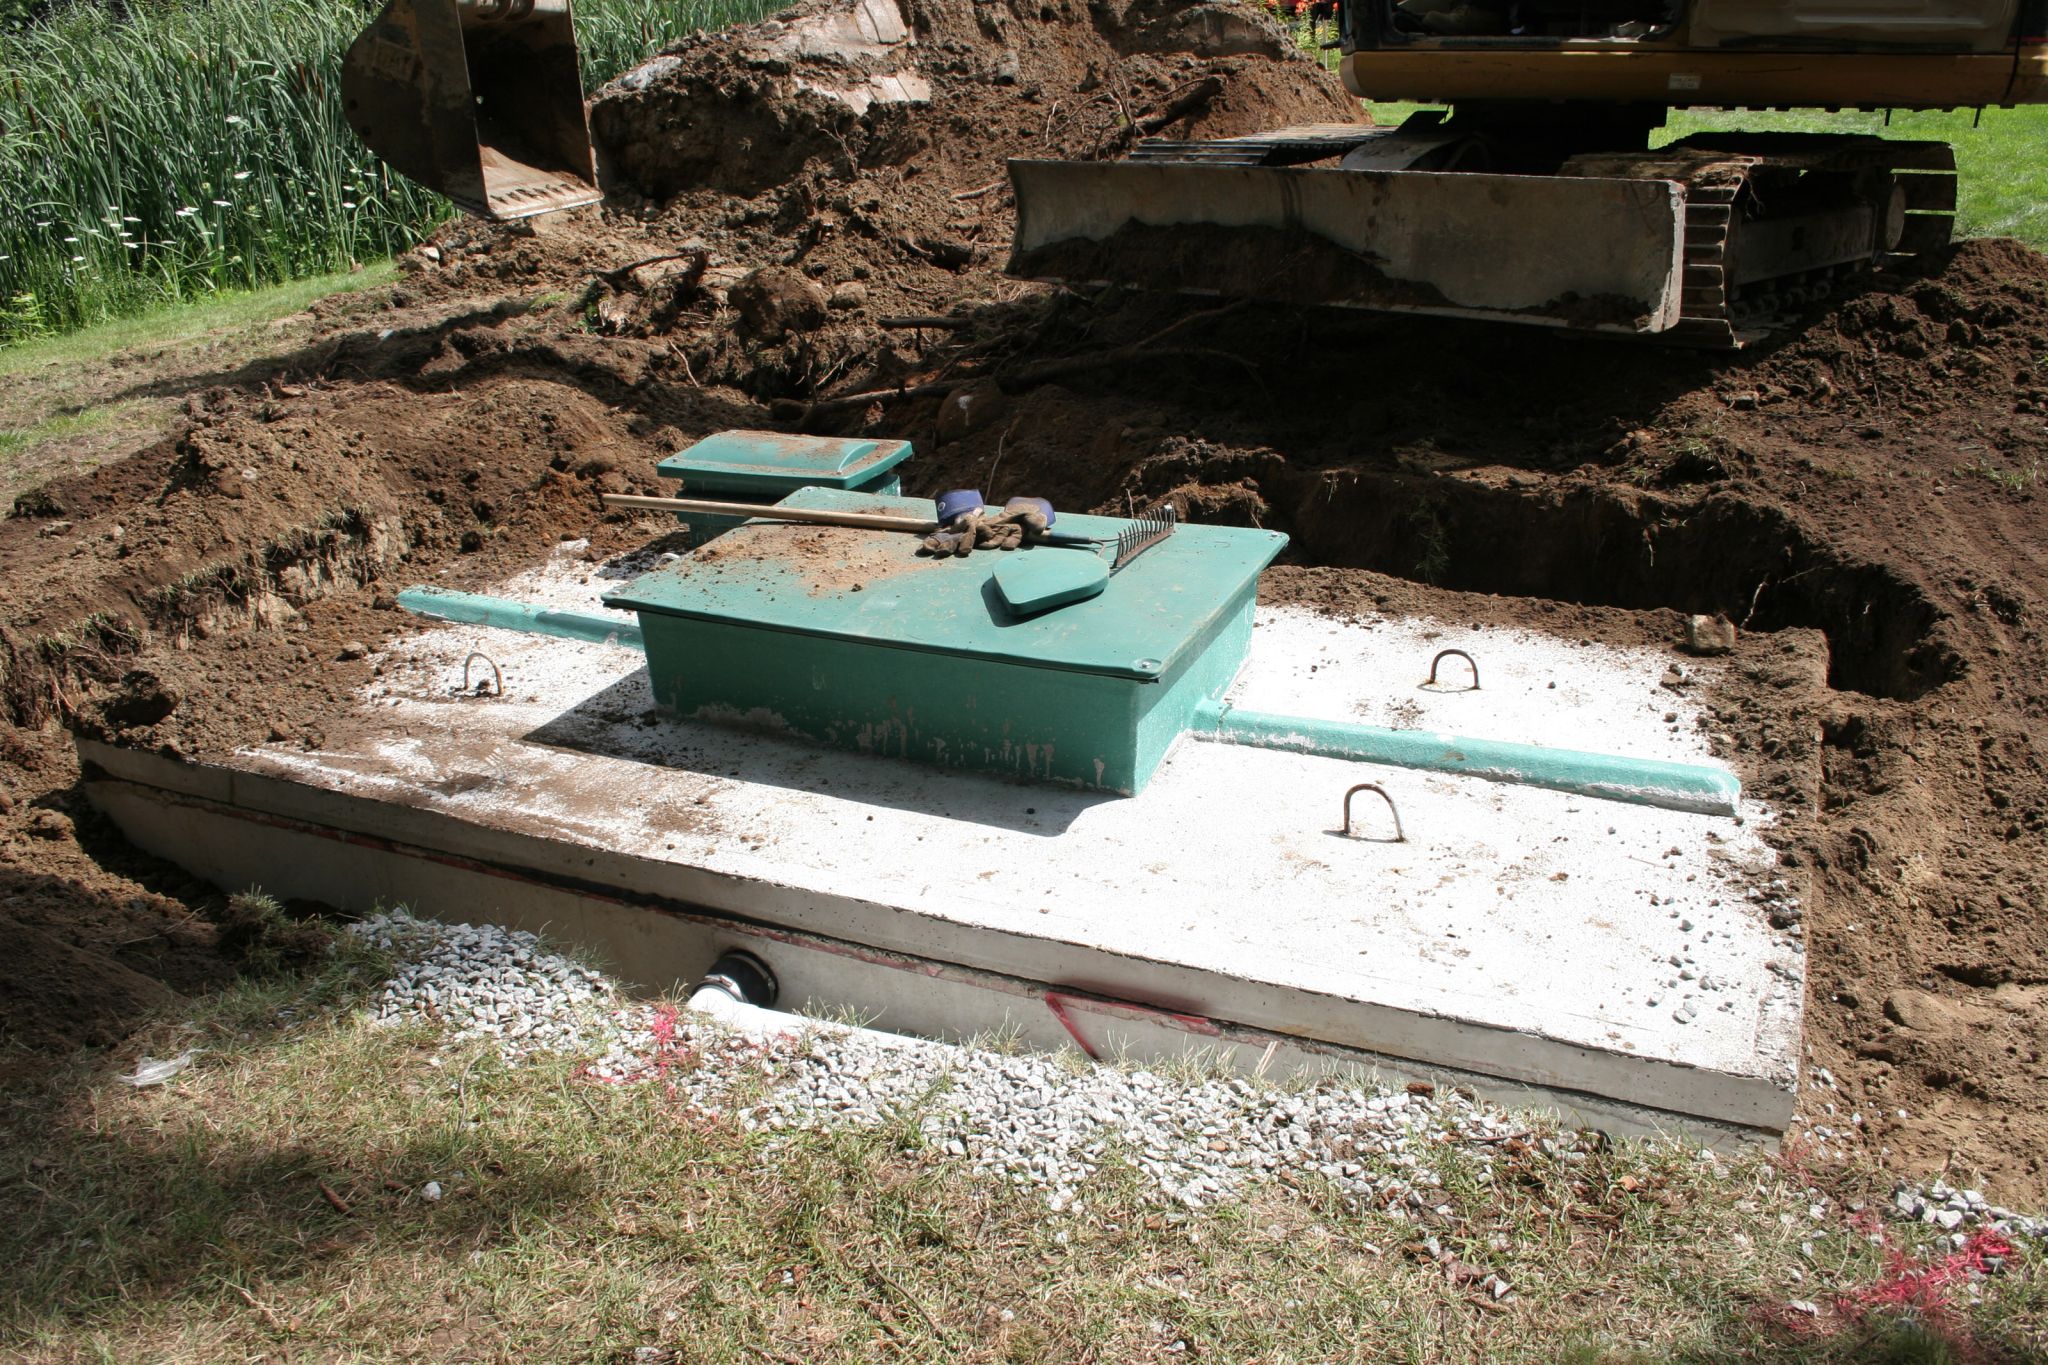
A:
x: 497, y: 675
x: 1443, y: 654
x: 1400, y: 835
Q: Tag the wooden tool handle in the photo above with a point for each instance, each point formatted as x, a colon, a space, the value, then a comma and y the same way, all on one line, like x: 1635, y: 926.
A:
x: 864, y: 521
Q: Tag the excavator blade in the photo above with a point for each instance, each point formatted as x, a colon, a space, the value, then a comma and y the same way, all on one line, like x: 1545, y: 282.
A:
x: 1604, y: 255
x: 478, y: 99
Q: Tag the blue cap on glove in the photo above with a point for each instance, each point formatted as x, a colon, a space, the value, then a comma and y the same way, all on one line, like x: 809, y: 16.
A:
x: 958, y: 502
x: 1040, y: 503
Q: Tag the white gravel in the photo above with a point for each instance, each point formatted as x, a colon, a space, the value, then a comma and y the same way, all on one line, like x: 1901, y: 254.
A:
x: 1048, y: 1123
x: 1043, y: 1122
x: 481, y: 981
x: 1961, y: 1212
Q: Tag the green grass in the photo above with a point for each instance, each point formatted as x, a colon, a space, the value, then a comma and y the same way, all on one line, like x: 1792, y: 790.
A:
x: 168, y: 325
x: 17, y: 441
x: 269, y: 1202
x: 166, y: 150
x: 2013, y: 478
x: 2001, y: 168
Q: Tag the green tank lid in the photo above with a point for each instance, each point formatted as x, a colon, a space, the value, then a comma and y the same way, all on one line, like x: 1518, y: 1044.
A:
x: 768, y: 465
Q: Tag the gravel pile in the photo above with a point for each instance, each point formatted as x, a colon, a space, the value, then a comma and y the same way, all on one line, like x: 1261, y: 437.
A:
x: 1041, y: 1122
x: 1961, y: 1212
x: 482, y: 981
x: 1046, y: 1123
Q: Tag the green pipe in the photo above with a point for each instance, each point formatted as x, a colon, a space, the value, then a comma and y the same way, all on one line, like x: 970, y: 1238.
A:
x: 476, y: 610
x: 1645, y: 781
x: 1612, y: 777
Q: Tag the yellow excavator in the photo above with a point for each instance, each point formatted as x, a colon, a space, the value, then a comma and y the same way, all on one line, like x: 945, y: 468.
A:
x: 1535, y: 198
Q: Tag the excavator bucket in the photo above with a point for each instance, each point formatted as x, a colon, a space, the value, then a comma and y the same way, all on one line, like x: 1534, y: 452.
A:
x: 478, y: 99
x: 1598, y: 254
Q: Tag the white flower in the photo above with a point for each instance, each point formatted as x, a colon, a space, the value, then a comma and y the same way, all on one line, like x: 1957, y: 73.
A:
x: 187, y: 211
x: 243, y: 175
x: 236, y: 118
x: 348, y: 203
x: 78, y: 260
x: 70, y: 239
x: 43, y: 223
x: 126, y: 219
x: 221, y: 203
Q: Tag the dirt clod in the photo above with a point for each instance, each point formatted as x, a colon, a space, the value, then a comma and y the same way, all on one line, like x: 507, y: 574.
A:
x: 774, y: 301
x: 1709, y: 635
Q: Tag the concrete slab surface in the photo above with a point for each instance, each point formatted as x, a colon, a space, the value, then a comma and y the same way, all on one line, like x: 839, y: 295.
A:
x: 1552, y: 941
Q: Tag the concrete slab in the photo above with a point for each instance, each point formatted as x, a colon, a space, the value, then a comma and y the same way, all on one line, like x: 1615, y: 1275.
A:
x: 1603, y: 953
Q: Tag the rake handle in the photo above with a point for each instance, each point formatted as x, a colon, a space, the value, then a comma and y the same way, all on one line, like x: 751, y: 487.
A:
x: 865, y: 521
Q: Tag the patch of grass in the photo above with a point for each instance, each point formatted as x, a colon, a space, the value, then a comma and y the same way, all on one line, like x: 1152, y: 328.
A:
x: 272, y: 1200
x: 230, y: 311
x: 74, y: 400
x: 69, y: 401
x: 2017, y: 478
x: 63, y: 427
x: 256, y: 934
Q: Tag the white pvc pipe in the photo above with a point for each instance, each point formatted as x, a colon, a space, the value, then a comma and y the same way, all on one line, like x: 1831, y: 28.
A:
x: 714, y: 1001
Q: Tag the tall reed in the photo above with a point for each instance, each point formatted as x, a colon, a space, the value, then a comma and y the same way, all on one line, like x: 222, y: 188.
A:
x: 156, y: 150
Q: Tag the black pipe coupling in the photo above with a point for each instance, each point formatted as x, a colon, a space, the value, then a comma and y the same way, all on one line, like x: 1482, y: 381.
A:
x: 744, y: 977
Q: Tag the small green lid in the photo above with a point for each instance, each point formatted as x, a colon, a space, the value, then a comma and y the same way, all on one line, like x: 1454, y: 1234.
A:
x: 770, y: 464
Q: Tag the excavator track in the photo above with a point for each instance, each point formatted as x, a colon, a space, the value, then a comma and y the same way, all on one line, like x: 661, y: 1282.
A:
x: 1712, y: 242
x: 1731, y: 298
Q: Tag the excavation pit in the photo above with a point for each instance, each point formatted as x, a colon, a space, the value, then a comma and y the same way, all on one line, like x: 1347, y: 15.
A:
x: 1754, y: 564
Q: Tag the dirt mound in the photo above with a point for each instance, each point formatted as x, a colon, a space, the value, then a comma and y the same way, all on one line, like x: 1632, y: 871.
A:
x: 864, y: 146
x: 809, y: 222
x: 943, y: 92
x: 241, y: 560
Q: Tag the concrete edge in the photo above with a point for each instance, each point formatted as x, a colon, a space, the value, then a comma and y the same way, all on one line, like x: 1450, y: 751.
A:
x: 259, y: 801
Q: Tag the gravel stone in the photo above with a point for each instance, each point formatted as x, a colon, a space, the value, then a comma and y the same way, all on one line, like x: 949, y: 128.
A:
x: 1035, y: 1121
x: 479, y: 980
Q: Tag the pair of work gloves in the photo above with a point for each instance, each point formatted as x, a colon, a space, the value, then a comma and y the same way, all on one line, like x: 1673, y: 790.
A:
x: 1021, y: 522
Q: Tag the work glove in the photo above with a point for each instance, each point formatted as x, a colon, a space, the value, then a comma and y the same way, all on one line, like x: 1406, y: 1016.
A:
x: 1021, y: 522
x: 956, y: 537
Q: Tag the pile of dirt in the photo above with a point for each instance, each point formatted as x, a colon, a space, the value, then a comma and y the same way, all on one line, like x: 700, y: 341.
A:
x: 808, y: 229
x: 845, y: 162
x: 936, y: 93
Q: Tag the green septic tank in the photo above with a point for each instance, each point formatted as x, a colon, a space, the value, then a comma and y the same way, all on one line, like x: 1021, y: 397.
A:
x: 852, y: 638
x: 765, y: 466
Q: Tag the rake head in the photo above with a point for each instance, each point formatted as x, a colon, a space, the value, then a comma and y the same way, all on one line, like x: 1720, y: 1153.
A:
x: 1142, y: 534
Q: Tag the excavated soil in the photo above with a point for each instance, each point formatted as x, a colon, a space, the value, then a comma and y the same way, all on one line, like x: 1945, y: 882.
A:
x: 806, y: 233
